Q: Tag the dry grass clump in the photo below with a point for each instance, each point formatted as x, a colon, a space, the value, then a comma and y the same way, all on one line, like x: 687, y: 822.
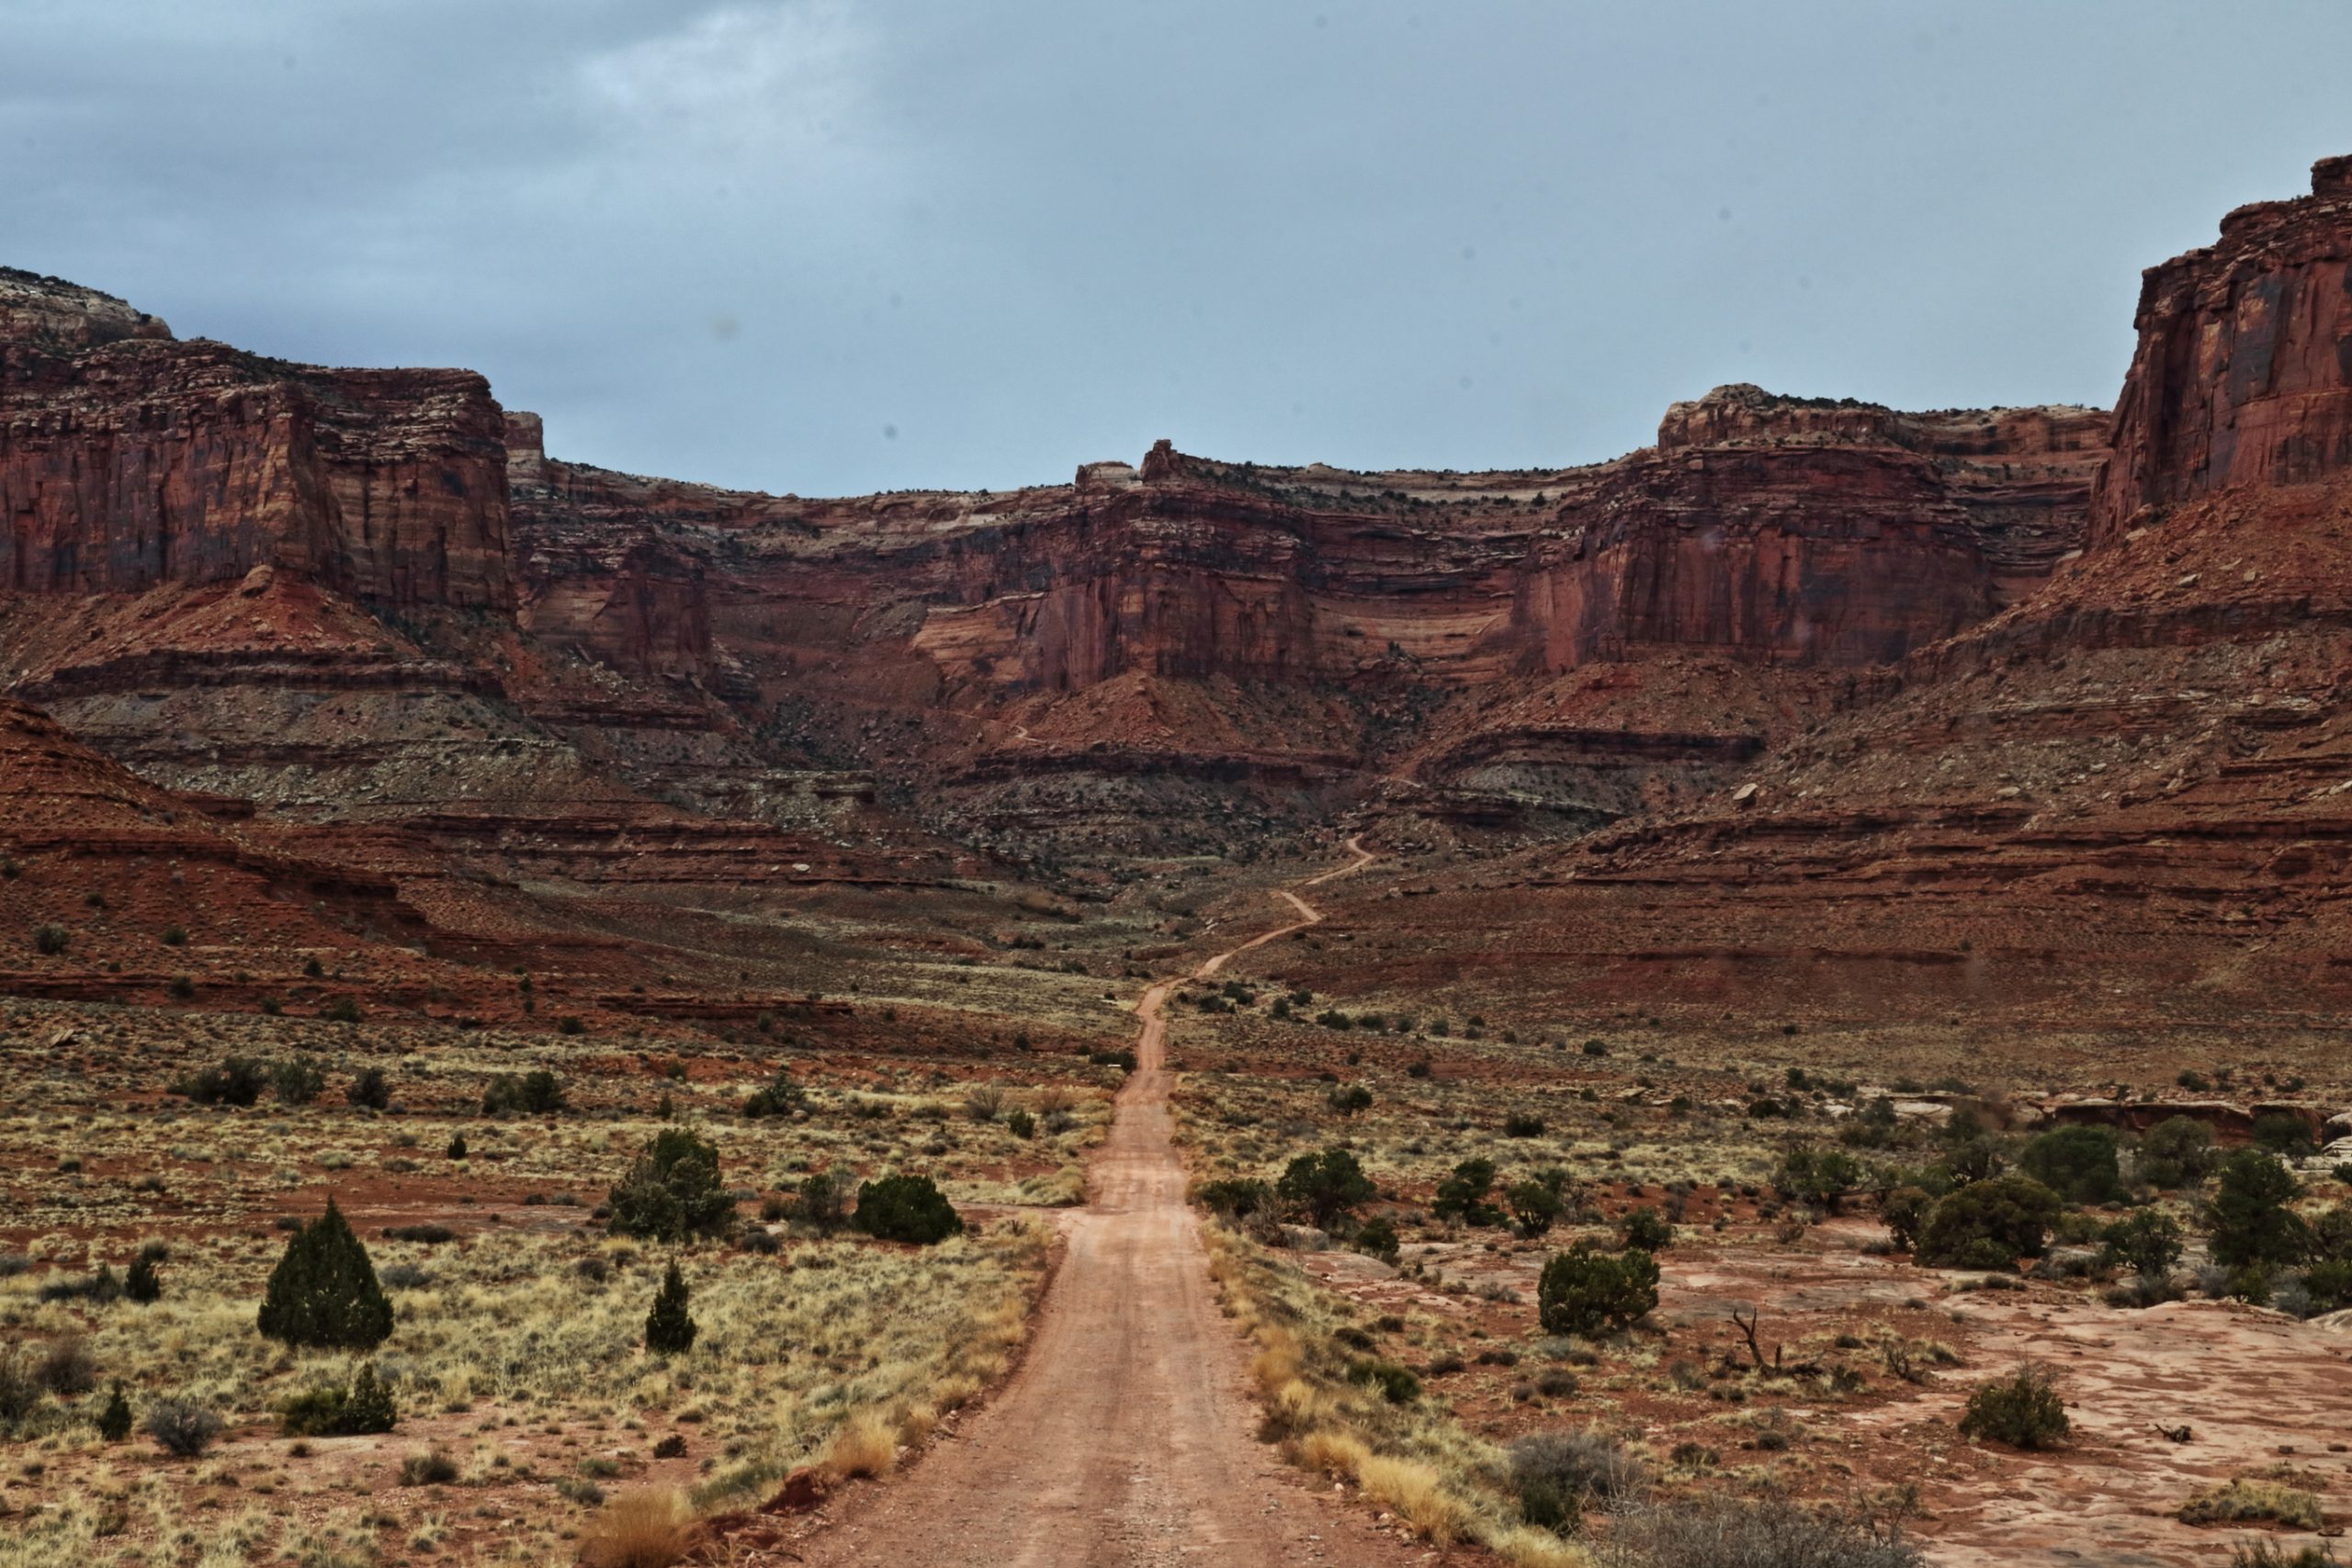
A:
x: 2251, y: 1498
x: 646, y: 1526
x: 1417, y: 1495
x: 867, y: 1445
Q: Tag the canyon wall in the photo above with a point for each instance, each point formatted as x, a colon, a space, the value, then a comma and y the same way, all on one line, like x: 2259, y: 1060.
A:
x: 128, y: 460
x: 1773, y: 529
x: 2244, y: 370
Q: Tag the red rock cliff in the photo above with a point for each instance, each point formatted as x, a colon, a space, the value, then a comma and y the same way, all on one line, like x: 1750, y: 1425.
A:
x: 128, y: 459
x: 2244, y: 370
x: 1779, y: 530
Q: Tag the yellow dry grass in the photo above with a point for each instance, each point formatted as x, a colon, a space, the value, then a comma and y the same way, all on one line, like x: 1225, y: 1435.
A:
x: 867, y: 1445
x: 646, y: 1526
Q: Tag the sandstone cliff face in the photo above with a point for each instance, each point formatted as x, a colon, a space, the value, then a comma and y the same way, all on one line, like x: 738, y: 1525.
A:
x: 2243, y: 369
x: 1772, y: 529
x: 128, y: 460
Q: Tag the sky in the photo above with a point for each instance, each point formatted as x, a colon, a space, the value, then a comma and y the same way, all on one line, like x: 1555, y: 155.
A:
x: 825, y: 248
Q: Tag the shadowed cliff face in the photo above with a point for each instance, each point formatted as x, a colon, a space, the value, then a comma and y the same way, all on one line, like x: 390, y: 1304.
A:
x: 128, y: 460
x: 2244, y: 370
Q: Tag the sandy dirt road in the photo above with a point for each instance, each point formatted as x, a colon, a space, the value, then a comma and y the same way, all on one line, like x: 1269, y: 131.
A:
x: 1127, y: 1435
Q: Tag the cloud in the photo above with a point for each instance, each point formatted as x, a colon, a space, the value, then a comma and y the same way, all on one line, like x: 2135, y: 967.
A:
x: 740, y: 240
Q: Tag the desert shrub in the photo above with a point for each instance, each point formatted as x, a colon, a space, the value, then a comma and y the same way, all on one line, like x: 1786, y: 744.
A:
x: 1351, y: 1100
x: 325, y: 1291
x: 777, y: 1097
x: 2022, y: 1410
x: 1233, y: 1197
x: 174, y: 936
x: 535, y: 1093
x: 1556, y: 1475
x: 180, y: 989
x: 114, y: 1421
x: 1522, y: 1124
x: 339, y: 1410
x: 101, y: 1285
x: 2077, y: 1163
x: 66, y: 1366
x: 670, y: 1190
x: 431, y: 1468
x: 670, y: 1328
x: 182, y: 1427
x: 1724, y: 1532
x: 1324, y: 1186
x: 906, y: 1208
x: 2253, y: 1499
x: 295, y: 1081
x: 1818, y: 1175
x: 645, y: 1527
x: 2283, y: 1133
x: 1396, y: 1384
x: 369, y: 1090
x: 343, y: 1010
x: 1536, y: 1206
x: 1462, y: 1195
x: 1021, y: 1124
x: 2146, y: 1240
x: 1645, y: 1228
x: 1905, y: 1211
x: 1989, y: 1225
x: 1376, y: 1237
x: 236, y: 1080
x: 49, y: 939
x: 1584, y: 1292
x: 2249, y: 1218
x: 1121, y: 1059
x: 21, y: 1388
x: 824, y: 1200
x: 2327, y: 1285
x: 2176, y: 1152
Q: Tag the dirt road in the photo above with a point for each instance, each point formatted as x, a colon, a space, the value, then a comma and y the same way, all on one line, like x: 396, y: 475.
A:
x: 1127, y: 1435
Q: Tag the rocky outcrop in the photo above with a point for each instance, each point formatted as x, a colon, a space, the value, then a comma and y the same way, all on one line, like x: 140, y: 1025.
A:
x: 2244, y: 371
x: 128, y: 460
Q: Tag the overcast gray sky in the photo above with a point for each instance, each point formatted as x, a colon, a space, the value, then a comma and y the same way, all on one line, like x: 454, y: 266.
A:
x: 821, y: 247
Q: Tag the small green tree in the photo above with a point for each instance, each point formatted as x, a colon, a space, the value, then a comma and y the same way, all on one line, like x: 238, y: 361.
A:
x: 2176, y: 1152
x: 325, y: 1291
x: 140, y: 1283
x: 2249, y: 1218
x: 1905, y: 1211
x: 670, y: 1328
x: 2147, y: 1239
x: 1818, y: 1175
x: 1583, y: 1292
x: 1646, y: 1230
x: 1462, y: 1195
x: 1989, y: 1225
x: 341, y: 1411
x: 824, y: 1200
x: 535, y: 1093
x: 2077, y: 1163
x: 1535, y: 1206
x: 671, y: 1191
x: 906, y: 1208
x: 1325, y: 1186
